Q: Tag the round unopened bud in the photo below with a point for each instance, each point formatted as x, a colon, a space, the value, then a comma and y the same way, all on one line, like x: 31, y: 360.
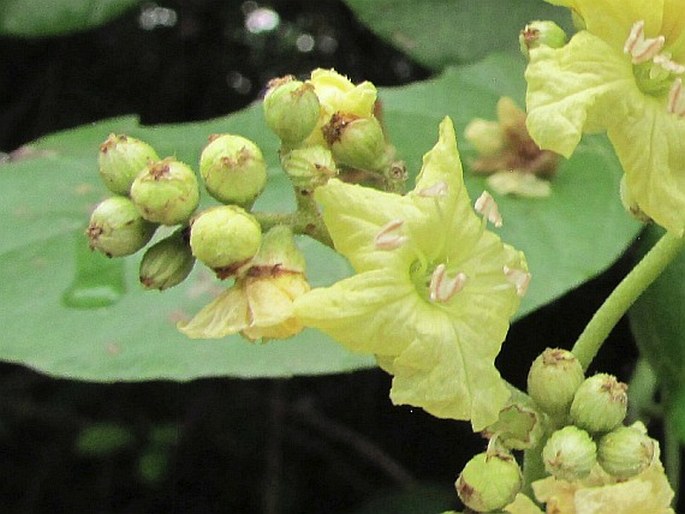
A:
x: 541, y: 33
x: 116, y: 228
x: 291, y: 109
x: 357, y: 142
x: 233, y: 169
x: 489, y: 481
x: 553, y: 379
x: 224, y: 238
x: 121, y: 158
x: 166, y: 192
x: 600, y: 403
x: 485, y: 136
x: 168, y: 262
x: 569, y: 453
x: 309, y: 165
x: 625, y: 451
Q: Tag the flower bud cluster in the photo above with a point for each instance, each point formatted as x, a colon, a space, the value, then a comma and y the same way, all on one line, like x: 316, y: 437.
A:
x: 588, y: 415
x: 148, y: 192
x: 327, y: 125
x: 267, y: 272
x: 151, y: 192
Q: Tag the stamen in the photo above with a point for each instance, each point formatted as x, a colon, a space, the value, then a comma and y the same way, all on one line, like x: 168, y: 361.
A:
x: 676, y: 99
x: 518, y: 278
x: 442, y: 287
x: 668, y: 64
x: 486, y: 206
x: 641, y: 49
x: 389, y: 237
x: 437, y: 189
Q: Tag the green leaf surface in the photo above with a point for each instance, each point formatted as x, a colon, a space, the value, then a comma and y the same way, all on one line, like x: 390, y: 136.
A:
x: 437, y: 33
x: 36, y: 18
x: 75, y: 314
x: 657, y: 321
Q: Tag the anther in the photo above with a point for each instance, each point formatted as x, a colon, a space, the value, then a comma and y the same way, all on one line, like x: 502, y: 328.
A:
x: 389, y: 237
x: 442, y: 287
x: 676, y: 99
x: 641, y: 49
x: 518, y: 278
x: 486, y: 206
x: 669, y: 64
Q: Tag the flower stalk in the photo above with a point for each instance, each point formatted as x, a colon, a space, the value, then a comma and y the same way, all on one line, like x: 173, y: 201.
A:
x: 628, y: 290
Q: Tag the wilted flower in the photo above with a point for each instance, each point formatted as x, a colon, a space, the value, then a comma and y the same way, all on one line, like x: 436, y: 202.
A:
x: 260, y: 303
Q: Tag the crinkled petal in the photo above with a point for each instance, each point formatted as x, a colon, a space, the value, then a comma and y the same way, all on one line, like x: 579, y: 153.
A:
x: 337, y: 93
x: 650, y: 144
x: 225, y: 315
x: 354, y: 216
x: 374, y: 312
x: 600, y: 493
x: 272, y: 314
x: 574, y: 89
x: 450, y: 372
x: 613, y: 19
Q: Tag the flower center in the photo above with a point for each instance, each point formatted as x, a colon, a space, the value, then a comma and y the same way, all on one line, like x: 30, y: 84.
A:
x: 655, y: 72
x: 436, y: 283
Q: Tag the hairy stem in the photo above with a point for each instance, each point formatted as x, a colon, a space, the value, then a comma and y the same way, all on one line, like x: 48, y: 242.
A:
x: 625, y: 294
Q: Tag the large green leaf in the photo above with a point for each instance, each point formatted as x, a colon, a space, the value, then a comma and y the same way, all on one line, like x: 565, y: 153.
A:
x: 36, y: 18
x: 72, y: 313
x: 437, y: 33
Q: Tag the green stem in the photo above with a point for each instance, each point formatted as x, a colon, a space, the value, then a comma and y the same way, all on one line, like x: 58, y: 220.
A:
x: 533, y: 468
x: 625, y: 294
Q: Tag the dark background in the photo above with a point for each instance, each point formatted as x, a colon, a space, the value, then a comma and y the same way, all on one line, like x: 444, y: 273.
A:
x: 306, y: 445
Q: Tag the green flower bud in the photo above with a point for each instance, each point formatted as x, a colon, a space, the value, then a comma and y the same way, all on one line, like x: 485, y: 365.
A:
x: 600, y: 403
x: 489, y: 481
x: 357, y: 142
x: 168, y: 262
x: 166, y: 192
x: 309, y: 166
x: 116, y: 228
x: 233, y: 169
x: 626, y: 451
x: 291, y: 109
x: 225, y: 238
x: 121, y: 158
x: 569, y: 453
x: 553, y: 379
x: 541, y: 33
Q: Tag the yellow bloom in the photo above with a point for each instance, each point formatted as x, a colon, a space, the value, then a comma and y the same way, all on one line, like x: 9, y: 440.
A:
x: 337, y: 94
x: 622, y: 74
x: 260, y: 303
x: 434, y: 289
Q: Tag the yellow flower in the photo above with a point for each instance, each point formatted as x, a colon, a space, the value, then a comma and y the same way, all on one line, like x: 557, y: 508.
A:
x: 621, y: 74
x: 260, y: 303
x: 338, y: 95
x: 434, y: 290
